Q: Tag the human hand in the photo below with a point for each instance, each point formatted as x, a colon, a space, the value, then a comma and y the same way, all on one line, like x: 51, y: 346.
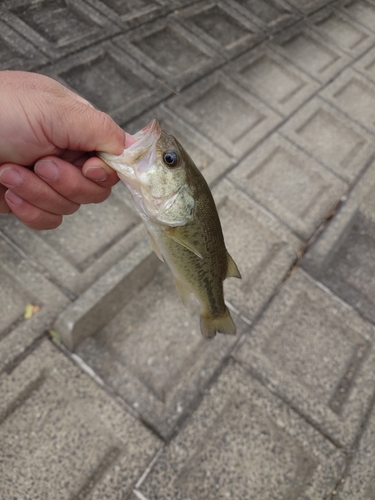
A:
x: 45, y: 125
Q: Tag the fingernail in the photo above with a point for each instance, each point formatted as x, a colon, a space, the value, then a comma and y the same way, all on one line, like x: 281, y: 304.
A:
x: 13, y: 198
x: 96, y: 174
x: 46, y: 169
x: 10, y: 177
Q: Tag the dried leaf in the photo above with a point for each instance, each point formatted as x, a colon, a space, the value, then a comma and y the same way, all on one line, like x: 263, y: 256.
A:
x: 55, y: 336
x: 30, y: 310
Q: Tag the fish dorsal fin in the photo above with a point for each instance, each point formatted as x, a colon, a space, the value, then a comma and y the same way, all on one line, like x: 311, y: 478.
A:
x: 155, y: 247
x: 178, y: 238
x: 232, y: 271
x: 183, y: 292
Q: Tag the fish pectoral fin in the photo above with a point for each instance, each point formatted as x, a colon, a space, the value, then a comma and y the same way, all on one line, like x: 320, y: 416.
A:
x: 232, y: 271
x: 183, y: 292
x: 155, y: 247
x: 172, y: 233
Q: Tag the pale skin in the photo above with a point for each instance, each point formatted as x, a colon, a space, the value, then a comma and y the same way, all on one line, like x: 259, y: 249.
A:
x: 47, y: 138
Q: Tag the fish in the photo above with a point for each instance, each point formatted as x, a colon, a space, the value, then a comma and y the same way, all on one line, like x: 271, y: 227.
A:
x: 177, y: 207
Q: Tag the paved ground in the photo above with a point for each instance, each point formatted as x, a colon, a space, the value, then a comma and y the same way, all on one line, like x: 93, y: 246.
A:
x: 275, y: 101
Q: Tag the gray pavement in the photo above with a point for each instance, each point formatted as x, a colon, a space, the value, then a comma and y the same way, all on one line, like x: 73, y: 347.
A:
x: 108, y: 390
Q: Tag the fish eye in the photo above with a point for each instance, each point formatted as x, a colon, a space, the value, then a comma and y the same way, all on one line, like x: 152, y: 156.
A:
x: 171, y: 158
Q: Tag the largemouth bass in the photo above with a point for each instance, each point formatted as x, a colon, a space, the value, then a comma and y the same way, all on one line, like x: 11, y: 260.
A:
x: 177, y: 207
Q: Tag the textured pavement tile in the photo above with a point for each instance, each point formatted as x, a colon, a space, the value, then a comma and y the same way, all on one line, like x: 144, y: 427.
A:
x: 170, y: 51
x: 57, y: 27
x: 290, y: 184
x: 242, y: 443
x: 16, y: 53
x: 271, y: 15
x: 226, y: 113
x: 343, y: 256
x: 22, y: 284
x: 354, y: 95
x: 63, y: 437
x: 310, y: 52
x: 359, y: 479
x: 211, y: 160
x: 350, y: 36
x: 362, y: 11
x: 316, y: 353
x: 153, y: 354
x: 130, y: 13
x: 221, y: 27
x: 85, y: 245
x: 340, y: 144
x: 272, y: 78
x: 94, y: 308
x: 263, y: 249
x: 111, y: 80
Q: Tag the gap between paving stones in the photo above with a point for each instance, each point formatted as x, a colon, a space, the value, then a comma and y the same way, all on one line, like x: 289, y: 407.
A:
x: 38, y: 267
x: 350, y: 453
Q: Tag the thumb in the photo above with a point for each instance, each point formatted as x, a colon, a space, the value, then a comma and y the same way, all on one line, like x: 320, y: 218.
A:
x: 84, y: 128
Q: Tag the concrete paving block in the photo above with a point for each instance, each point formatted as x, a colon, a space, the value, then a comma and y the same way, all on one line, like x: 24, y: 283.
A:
x: 338, y: 143
x: 220, y: 26
x: 354, y: 95
x: 272, y: 78
x: 358, y: 482
x: 270, y: 15
x: 349, y: 36
x: 316, y: 353
x: 342, y: 257
x: 97, y: 306
x: 263, y: 249
x: 310, y: 52
x: 130, y: 14
x: 21, y: 284
x: 86, y: 244
x: 309, y: 6
x: 63, y: 437
x: 290, y: 184
x: 16, y: 53
x: 227, y: 114
x: 211, y: 160
x: 242, y: 443
x: 57, y: 27
x: 170, y: 51
x: 153, y: 355
x: 110, y: 79
x: 362, y: 11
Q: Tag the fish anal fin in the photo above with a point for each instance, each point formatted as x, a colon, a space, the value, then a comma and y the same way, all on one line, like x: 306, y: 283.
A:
x: 232, y: 271
x: 178, y: 238
x: 183, y: 292
x: 155, y: 247
x: 210, y: 325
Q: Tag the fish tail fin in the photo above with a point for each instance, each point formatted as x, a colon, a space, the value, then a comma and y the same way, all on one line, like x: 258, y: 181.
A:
x: 210, y: 325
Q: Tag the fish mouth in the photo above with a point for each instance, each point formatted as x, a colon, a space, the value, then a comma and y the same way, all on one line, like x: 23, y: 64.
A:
x: 138, y: 155
x: 149, y: 134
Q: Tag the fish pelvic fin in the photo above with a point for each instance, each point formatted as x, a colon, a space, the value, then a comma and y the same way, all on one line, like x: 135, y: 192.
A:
x: 232, y: 271
x: 183, y: 292
x: 210, y: 325
x: 155, y: 247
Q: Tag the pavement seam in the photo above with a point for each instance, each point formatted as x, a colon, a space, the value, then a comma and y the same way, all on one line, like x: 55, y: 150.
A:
x: 85, y: 368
